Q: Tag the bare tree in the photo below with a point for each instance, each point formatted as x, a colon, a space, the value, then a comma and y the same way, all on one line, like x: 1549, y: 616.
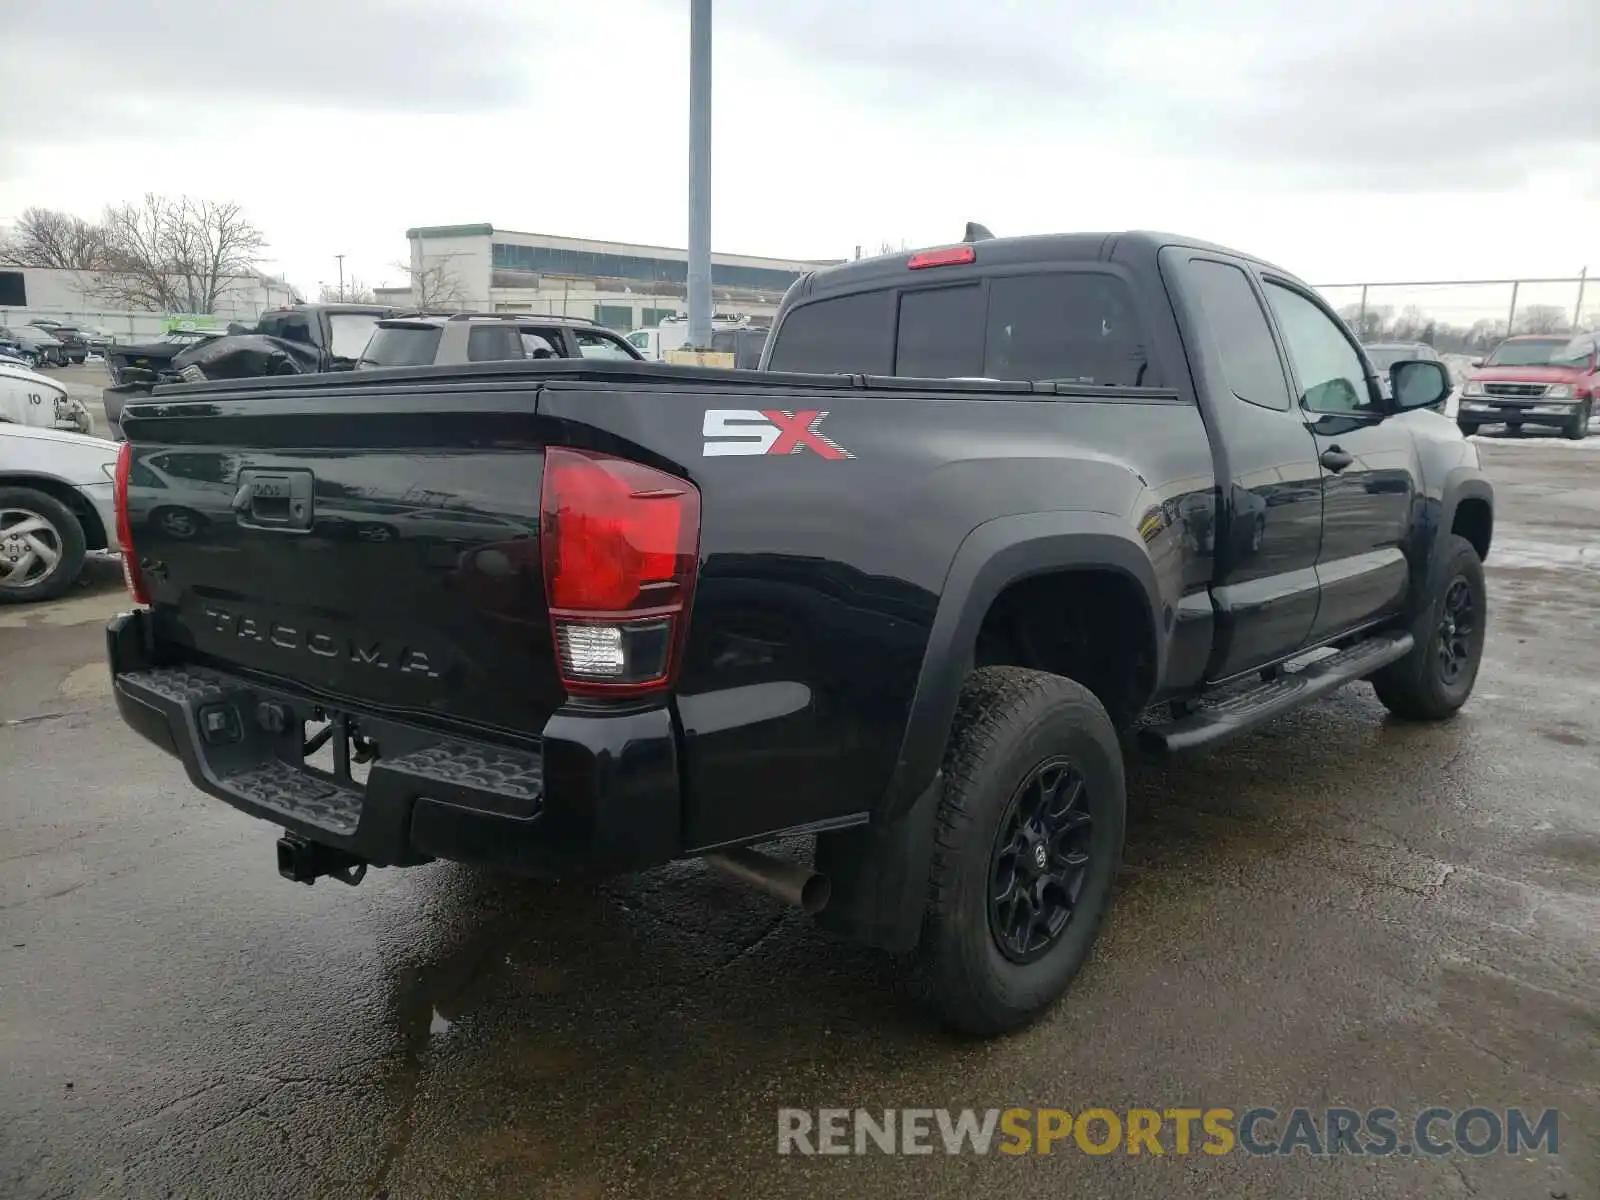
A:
x: 175, y: 255
x: 355, y: 292
x: 1484, y: 334
x: 433, y: 285
x: 45, y: 237
x: 1367, y: 325
x: 1543, y: 318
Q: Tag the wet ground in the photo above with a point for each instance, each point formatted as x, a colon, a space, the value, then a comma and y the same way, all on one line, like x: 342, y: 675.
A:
x: 1339, y: 910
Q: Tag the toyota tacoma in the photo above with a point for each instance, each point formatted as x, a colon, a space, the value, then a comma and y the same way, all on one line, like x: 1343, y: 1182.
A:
x: 984, y: 510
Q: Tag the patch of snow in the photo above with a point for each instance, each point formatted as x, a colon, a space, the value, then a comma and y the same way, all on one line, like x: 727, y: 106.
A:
x: 1546, y: 437
x: 1523, y: 553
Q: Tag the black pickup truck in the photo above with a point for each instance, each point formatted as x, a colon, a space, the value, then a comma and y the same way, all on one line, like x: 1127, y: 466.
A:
x: 296, y: 340
x: 985, y: 508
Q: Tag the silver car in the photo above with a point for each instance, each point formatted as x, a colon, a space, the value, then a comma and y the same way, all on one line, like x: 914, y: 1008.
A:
x: 56, y: 505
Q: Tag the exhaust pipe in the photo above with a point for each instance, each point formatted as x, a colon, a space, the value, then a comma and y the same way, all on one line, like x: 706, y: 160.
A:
x: 793, y: 883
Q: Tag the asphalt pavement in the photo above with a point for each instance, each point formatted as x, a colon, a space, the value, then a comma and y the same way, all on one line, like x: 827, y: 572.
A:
x: 1338, y: 910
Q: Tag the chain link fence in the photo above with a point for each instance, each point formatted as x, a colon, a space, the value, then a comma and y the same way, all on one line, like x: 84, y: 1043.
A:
x: 1466, y: 316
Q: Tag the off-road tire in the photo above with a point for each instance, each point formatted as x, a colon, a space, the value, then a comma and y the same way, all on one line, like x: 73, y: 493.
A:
x: 1413, y: 687
x: 68, y: 537
x: 1008, y: 722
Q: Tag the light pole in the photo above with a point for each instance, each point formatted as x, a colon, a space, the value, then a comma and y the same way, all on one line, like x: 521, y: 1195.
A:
x: 340, y: 257
x: 700, y: 175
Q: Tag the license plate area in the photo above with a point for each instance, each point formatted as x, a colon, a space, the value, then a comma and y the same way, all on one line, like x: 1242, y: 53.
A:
x: 334, y: 746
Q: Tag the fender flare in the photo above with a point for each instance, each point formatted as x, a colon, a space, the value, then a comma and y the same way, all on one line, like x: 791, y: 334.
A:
x: 993, y: 556
x: 1464, y: 483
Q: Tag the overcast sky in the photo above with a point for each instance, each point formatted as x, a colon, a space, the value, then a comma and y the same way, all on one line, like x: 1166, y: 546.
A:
x: 1358, y: 139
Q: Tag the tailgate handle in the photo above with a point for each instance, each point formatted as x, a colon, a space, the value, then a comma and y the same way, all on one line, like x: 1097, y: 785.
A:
x: 269, y: 499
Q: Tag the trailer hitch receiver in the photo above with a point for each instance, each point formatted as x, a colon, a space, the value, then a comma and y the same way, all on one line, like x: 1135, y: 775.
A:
x: 304, y: 861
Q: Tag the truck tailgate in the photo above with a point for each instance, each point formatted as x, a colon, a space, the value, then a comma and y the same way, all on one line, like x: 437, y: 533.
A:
x: 375, y: 546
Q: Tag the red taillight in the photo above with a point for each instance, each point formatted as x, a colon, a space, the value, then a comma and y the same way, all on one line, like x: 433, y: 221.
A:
x: 620, y: 544
x: 950, y: 256
x: 131, y: 574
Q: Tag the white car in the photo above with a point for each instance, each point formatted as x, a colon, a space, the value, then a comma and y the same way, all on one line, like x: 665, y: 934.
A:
x: 56, y: 505
x: 29, y: 398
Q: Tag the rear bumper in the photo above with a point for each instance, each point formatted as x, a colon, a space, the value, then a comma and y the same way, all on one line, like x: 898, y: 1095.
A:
x: 600, y: 794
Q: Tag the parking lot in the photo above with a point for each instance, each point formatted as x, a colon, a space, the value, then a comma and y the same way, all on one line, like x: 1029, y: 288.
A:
x: 1339, y: 910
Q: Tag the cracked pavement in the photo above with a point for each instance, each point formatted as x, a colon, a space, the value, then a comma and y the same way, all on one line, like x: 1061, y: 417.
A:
x: 1337, y: 910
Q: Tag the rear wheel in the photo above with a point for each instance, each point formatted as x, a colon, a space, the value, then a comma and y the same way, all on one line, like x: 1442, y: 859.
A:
x: 1030, y: 831
x: 1578, y: 427
x: 1435, y: 679
x: 41, y: 546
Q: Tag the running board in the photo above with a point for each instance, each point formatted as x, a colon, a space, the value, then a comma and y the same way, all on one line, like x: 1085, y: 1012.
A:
x: 1212, y: 723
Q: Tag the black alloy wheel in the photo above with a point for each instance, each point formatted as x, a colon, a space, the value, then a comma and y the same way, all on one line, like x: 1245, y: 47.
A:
x: 1040, y: 859
x: 1457, y: 623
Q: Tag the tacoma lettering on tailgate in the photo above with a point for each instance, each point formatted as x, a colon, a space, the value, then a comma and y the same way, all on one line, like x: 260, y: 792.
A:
x: 319, y: 643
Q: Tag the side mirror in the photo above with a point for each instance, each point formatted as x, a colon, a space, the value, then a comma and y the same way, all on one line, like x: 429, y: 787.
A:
x: 1418, y: 383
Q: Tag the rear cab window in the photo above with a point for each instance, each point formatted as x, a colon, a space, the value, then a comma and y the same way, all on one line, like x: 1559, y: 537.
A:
x: 397, y: 344
x: 845, y: 335
x: 1068, y: 326
x: 1239, y: 333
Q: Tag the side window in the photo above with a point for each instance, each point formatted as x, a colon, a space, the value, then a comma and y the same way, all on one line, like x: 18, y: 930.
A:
x: 1328, y: 367
x: 850, y: 335
x: 493, y: 343
x: 1064, y: 327
x: 1240, y: 333
x: 600, y: 345
x: 641, y: 339
x: 540, y: 343
x: 941, y: 333
x: 297, y: 329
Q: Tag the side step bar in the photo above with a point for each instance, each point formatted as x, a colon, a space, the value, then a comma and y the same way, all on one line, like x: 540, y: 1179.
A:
x: 1212, y: 723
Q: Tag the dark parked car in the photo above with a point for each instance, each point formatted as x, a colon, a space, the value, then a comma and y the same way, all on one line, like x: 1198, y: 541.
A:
x: 1385, y: 354
x: 985, y: 507
x: 35, y: 346
x: 745, y: 344
x: 74, y: 340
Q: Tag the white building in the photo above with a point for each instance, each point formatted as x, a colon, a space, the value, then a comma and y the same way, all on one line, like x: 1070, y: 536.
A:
x: 28, y: 293
x: 618, y: 284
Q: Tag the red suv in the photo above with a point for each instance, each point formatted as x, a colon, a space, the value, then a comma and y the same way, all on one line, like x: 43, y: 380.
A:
x: 1535, y: 380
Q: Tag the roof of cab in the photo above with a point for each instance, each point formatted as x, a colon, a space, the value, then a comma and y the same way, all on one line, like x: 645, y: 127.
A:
x: 1004, y: 251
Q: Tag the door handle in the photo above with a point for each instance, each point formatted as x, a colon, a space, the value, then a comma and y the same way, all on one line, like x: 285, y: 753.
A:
x: 274, y: 499
x: 1336, y: 459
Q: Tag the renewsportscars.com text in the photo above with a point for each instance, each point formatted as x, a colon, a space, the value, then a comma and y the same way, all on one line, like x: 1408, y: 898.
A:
x: 1257, y: 1131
